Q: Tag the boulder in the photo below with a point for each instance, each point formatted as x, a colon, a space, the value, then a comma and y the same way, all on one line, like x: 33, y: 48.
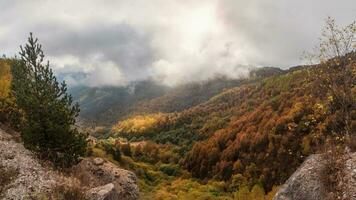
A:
x: 307, y: 182
x: 106, y: 192
x: 94, y: 172
x: 98, y: 161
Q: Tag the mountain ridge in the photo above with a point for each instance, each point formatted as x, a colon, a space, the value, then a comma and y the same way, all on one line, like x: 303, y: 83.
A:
x: 106, y: 105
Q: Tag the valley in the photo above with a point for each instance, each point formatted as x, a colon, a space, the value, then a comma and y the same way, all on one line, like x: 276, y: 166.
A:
x: 251, y: 136
x: 177, y: 100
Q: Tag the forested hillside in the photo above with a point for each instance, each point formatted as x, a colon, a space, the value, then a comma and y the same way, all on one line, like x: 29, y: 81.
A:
x: 8, y: 110
x: 107, y: 105
x: 255, y: 134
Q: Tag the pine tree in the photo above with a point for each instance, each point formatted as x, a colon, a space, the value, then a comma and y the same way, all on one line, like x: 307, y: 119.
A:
x: 49, y: 125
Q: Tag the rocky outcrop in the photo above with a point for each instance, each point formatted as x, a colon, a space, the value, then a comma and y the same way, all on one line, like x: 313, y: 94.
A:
x: 349, y: 179
x: 106, y: 192
x: 23, y: 177
x: 100, y: 174
x: 306, y: 183
x: 26, y: 177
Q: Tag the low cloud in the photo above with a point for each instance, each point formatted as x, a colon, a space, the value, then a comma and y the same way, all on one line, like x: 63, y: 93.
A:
x: 114, y: 42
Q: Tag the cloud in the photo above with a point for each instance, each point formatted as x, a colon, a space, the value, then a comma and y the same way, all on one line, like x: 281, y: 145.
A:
x: 114, y: 42
x: 95, y: 71
x: 279, y: 31
x: 120, y: 44
x: 100, y: 77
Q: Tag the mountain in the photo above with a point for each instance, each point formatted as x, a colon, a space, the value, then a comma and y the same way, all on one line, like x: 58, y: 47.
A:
x: 106, y: 105
x: 185, y: 96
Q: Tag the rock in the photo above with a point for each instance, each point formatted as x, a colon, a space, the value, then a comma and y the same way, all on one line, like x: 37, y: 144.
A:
x: 350, y: 177
x: 93, y: 175
x: 306, y: 183
x: 106, y: 192
x: 98, y: 161
x: 28, y: 177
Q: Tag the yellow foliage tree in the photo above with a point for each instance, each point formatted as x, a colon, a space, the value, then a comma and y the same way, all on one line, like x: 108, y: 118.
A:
x: 5, y: 79
x: 257, y: 193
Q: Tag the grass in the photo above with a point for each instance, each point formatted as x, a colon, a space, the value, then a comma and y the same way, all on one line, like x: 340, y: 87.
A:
x: 6, y: 177
x: 63, y: 192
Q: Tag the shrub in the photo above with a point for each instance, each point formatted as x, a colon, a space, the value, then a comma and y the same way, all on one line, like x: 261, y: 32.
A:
x: 112, y: 149
x: 256, y: 193
x: 126, y: 149
x: 170, y: 169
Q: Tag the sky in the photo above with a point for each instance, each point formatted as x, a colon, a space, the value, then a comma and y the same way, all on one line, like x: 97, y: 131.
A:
x: 114, y: 42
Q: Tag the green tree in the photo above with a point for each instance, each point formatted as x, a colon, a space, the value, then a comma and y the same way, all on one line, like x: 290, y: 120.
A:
x: 49, y: 125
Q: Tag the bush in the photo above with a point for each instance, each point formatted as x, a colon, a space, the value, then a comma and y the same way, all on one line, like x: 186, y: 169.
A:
x: 126, y: 149
x: 256, y: 193
x: 170, y: 169
x: 112, y: 149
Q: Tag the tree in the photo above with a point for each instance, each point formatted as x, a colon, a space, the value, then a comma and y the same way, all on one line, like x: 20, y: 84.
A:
x: 335, y: 80
x: 242, y: 193
x: 257, y: 193
x: 335, y: 77
x: 335, y: 42
x: 49, y: 125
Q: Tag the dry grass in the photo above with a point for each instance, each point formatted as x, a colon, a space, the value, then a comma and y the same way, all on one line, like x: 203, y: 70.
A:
x: 333, y: 172
x: 6, y: 176
x: 63, y: 192
x: 69, y: 193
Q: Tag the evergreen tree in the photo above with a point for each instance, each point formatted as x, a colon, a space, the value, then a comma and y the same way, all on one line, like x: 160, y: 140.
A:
x: 49, y: 113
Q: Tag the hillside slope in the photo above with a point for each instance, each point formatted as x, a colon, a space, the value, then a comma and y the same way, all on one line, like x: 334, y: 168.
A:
x: 256, y: 133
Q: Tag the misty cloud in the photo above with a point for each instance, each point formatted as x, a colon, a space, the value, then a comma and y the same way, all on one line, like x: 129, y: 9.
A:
x: 113, y: 42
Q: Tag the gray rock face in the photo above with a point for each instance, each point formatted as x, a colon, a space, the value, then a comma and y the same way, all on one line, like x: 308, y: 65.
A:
x: 106, y: 192
x: 30, y: 177
x: 306, y: 183
x: 97, y: 174
x: 349, y: 184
